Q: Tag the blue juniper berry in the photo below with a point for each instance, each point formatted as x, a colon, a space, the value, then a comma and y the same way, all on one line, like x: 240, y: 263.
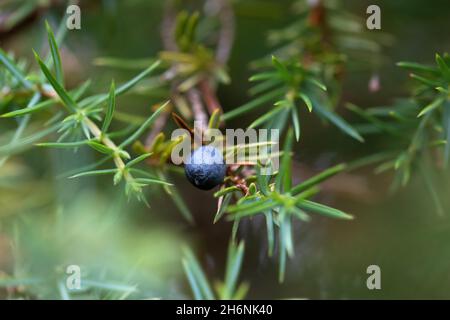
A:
x: 205, y: 167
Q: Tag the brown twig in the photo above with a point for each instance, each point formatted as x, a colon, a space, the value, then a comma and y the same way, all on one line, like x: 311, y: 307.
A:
x: 209, y: 95
x: 226, y: 35
x: 168, y: 27
x: 197, y: 108
x: 167, y: 30
x: 181, y: 123
x: 318, y: 18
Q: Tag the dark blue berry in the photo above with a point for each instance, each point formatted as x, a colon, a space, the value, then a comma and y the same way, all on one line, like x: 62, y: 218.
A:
x: 205, y: 168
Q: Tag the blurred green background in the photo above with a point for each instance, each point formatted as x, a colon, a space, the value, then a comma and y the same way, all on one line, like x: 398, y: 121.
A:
x: 48, y: 222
